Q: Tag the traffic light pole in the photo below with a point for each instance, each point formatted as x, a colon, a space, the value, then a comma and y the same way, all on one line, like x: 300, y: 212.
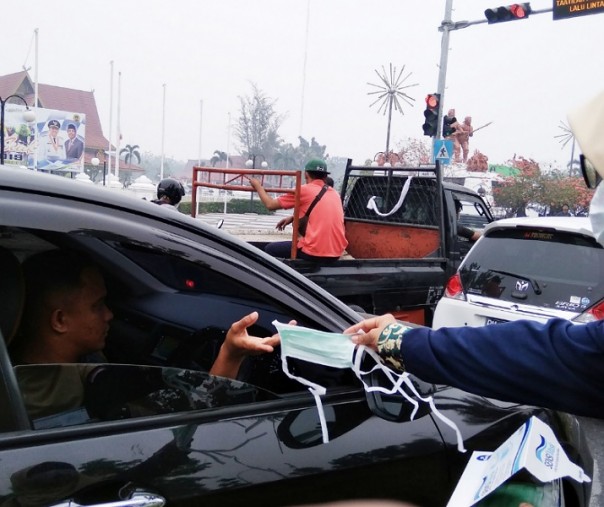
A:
x: 446, y: 27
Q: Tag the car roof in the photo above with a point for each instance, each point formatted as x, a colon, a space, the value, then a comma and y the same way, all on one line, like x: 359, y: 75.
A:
x: 577, y: 225
x: 455, y: 188
x: 48, y: 184
x: 45, y: 184
x: 37, y: 181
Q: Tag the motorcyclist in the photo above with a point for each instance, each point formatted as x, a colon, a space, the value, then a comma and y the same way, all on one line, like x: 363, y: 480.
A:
x: 169, y: 192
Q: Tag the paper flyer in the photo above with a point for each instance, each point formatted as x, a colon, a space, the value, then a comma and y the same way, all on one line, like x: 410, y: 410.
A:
x: 533, y: 447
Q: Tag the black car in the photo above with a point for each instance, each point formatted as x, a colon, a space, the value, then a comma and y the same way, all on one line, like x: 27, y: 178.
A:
x: 158, y: 427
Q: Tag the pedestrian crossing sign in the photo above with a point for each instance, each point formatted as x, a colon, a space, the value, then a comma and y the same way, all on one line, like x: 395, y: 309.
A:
x: 443, y: 150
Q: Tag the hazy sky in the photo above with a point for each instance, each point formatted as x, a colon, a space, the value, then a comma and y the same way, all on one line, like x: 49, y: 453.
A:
x: 523, y: 76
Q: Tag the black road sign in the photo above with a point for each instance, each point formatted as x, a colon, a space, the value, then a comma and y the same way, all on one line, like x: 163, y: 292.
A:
x: 570, y: 8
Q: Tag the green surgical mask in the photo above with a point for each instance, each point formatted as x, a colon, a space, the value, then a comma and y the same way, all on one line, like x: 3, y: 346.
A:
x: 338, y: 351
x: 328, y: 349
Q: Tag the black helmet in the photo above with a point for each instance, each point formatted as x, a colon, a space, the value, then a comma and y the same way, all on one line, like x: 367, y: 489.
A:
x: 172, y: 189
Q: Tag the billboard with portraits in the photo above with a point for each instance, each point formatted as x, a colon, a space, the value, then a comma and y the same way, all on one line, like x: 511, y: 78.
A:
x: 61, y: 141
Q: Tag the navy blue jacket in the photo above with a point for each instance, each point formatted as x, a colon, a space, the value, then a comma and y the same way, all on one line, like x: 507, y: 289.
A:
x: 557, y: 365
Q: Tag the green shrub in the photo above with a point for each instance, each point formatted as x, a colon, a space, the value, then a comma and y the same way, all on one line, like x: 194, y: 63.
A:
x: 185, y: 207
x: 233, y: 206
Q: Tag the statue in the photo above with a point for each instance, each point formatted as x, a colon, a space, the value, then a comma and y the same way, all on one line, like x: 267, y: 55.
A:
x: 462, y: 139
x: 449, y: 124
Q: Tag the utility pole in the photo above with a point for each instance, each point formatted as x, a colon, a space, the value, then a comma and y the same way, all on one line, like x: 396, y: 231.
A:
x: 445, y: 27
x: 163, y: 134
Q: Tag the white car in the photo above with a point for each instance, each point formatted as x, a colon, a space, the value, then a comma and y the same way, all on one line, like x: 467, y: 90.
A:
x: 532, y: 268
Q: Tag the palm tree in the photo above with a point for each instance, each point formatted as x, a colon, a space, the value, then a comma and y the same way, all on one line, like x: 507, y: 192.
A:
x: 287, y: 157
x: 217, y: 157
x: 131, y: 152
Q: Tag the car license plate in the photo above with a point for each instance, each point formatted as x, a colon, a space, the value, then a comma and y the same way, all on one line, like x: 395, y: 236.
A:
x: 490, y: 320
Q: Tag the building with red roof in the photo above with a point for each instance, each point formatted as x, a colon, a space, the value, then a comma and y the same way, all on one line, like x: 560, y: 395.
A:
x: 67, y: 99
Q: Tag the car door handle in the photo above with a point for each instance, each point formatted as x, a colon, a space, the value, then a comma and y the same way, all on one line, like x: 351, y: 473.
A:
x: 138, y: 498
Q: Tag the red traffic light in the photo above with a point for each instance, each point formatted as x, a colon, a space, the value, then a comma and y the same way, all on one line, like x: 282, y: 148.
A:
x: 508, y: 13
x: 432, y: 100
x: 518, y: 11
x: 431, y: 113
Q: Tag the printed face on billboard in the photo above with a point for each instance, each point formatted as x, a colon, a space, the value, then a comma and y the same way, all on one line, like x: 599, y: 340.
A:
x: 60, y: 142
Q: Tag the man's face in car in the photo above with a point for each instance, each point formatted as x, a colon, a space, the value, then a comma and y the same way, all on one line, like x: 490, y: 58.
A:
x: 85, y: 316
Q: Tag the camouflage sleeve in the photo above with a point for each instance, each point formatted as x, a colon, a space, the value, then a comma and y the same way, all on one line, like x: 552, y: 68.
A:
x: 389, y: 345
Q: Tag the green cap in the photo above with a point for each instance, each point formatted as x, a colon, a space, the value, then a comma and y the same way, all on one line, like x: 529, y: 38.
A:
x: 316, y: 165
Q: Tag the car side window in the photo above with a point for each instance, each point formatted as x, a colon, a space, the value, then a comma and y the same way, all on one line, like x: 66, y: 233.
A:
x: 186, y: 328
x: 473, y: 213
x: 172, y: 301
x: 61, y: 395
x: 172, y: 306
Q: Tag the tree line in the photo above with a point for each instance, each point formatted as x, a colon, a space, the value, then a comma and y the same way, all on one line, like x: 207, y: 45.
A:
x: 257, y: 133
x: 547, y: 191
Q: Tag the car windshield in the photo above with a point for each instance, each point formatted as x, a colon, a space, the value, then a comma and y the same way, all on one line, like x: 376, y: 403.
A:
x: 535, y: 267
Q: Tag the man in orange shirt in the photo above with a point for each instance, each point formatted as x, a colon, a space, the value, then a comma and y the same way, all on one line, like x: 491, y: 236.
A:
x: 324, y: 239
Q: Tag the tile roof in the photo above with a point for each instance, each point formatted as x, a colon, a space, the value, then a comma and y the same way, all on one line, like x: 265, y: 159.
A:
x: 60, y: 98
x: 11, y: 83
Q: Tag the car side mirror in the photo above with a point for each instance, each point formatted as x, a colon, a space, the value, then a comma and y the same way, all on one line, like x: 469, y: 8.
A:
x: 302, y: 429
x: 395, y: 407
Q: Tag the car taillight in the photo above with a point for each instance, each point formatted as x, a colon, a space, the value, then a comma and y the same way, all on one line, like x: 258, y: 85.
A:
x: 454, y: 288
x: 592, y: 314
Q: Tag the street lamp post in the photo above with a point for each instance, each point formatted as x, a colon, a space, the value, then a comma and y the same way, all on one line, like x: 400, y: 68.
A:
x: 251, y: 164
x: 27, y: 116
x: 95, y: 162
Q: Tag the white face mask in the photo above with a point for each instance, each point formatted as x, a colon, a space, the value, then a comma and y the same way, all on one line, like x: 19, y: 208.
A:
x: 596, y: 214
x: 338, y: 351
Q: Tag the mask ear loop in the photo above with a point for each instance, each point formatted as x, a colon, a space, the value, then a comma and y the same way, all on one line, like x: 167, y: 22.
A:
x: 316, y: 390
x: 397, y: 381
x: 321, y: 411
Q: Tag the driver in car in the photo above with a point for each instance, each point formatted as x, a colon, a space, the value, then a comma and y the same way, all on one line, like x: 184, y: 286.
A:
x: 66, y: 320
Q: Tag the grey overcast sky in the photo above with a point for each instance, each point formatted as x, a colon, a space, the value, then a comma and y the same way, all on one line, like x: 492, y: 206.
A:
x: 524, y: 76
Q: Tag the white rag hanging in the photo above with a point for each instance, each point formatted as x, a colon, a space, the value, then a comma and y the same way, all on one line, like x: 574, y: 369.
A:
x: 373, y: 206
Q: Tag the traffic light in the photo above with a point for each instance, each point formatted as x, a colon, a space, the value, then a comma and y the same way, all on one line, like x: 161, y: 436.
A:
x: 508, y: 13
x: 448, y: 122
x: 430, y: 126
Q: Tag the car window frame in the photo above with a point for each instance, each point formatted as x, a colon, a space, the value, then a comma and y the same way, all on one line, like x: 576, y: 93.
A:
x: 62, y: 214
